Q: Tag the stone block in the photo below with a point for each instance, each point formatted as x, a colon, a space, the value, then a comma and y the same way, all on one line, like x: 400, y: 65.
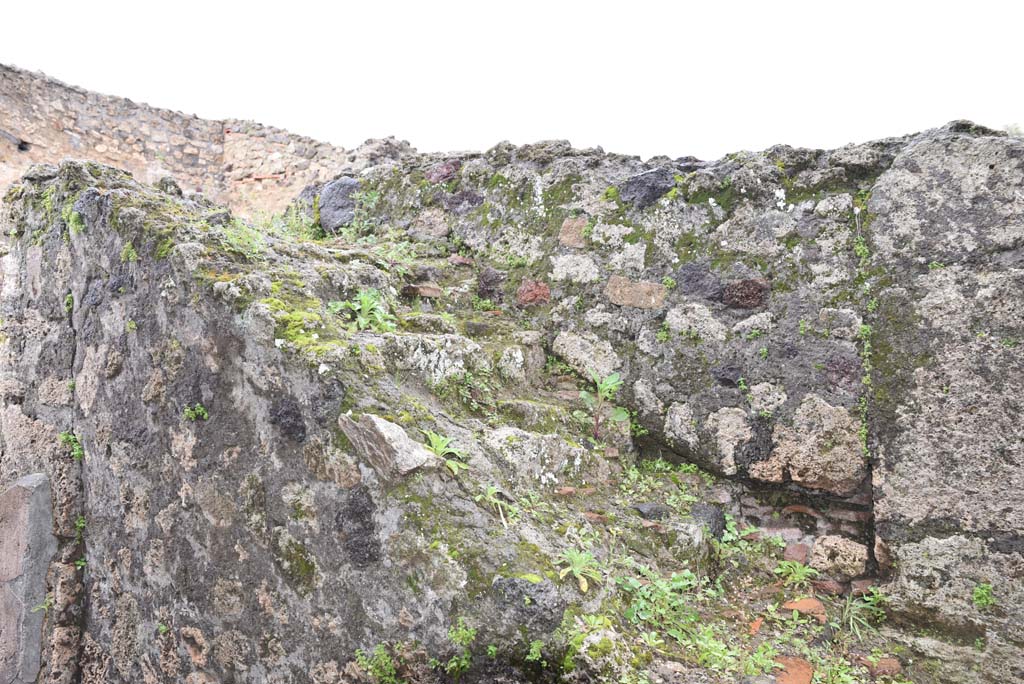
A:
x: 27, y: 545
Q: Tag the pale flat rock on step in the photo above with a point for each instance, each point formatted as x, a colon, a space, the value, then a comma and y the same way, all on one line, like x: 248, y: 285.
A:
x: 386, y: 446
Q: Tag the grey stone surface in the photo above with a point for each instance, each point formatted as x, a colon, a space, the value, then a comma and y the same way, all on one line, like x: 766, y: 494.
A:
x: 711, y: 516
x: 337, y: 205
x: 644, y: 189
x: 384, y: 445
x: 27, y: 545
x: 652, y: 510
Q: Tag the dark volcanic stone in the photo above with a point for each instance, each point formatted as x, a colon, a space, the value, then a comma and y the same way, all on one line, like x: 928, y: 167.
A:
x: 358, y: 532
x: 423, y: 273
x: 697, y: 279
x: 711, y: 517
x: 652, y: 511
x: 169, y: 186
x: 729, y: 376
x: 489, y: 282
x: 746, y: 294
x: 286, y: 414
x: 337, y: 205
x: 463, y: 202
x: 444, y: 171
x: 220, y: 217
x: 535, y: 605
x: 644, y: 189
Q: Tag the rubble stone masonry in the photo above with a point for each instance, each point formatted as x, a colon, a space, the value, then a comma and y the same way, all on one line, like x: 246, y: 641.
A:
x: 248, y: 166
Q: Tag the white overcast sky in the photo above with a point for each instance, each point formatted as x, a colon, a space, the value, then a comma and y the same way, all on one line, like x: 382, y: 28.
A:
x: 637, y: 77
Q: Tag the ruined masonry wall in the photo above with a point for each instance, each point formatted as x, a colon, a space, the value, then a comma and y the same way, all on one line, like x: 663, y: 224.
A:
x: 250, y: 167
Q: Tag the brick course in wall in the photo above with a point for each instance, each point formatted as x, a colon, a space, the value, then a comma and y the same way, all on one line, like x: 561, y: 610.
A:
x: 250, y: 167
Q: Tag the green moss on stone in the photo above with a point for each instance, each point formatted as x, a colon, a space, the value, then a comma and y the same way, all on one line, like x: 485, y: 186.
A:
x: 297, y: 563
x: 561, y: 192
x: 72, y: 219
x: 725, y: 196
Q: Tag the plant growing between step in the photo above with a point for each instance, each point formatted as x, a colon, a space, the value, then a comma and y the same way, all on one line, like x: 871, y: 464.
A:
x: 463, y: 636
x: 441, y: 446
x: 855, y: 617
x: 492, y: 497
x: 604, y: 393
x: 795, y: 574
x: 582, y: 565
x: 368, y: 311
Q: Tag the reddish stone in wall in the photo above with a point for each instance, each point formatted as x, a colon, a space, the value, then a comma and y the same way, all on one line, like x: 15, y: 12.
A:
x: 571, y: 233
x: 797, y: 552
x: 533, y: 292
x: 445, y: 171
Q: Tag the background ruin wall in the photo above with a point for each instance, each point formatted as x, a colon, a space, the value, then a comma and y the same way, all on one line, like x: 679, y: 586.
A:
x: 250, y: 167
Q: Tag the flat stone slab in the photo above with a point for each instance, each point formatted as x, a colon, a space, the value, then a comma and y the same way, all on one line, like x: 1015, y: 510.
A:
x: 27, y: 545
x: 384, y: 445
x: 642, y: 294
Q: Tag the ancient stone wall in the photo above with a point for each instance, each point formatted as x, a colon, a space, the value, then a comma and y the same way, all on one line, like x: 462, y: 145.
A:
x: 250, y: 167
x: 820, y: 356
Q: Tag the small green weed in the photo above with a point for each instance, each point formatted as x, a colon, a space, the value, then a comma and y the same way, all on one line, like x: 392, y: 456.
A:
x: 128, y: 253
x: 243, y: 239
x: 70, y: 440
x: 379, y: 664
x: 536, y: 653
x: 45, y: 605
x: 492, y: 497
x: 983, y: 596
x: 441, y: 447
x: 604, y: 392
x: 195, y: 412
x: 480, y: 304
x: 368, y: 311
x: 795, y: 574
x: 463, y: 636
x: 582, y: 565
